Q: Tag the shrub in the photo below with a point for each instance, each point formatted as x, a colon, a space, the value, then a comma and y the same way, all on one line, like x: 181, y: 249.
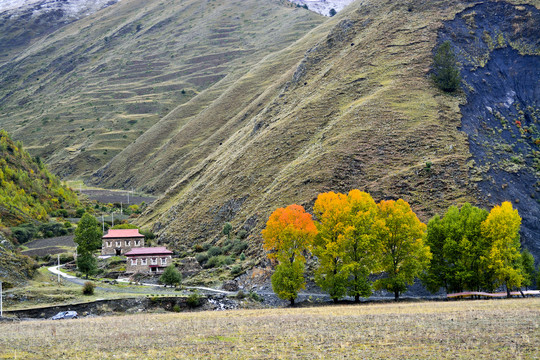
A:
x: 201, y: 258
x: 445, y: 70
x: 255, y: 297
x: 236, y: 269
x: 332, y: 12
x: 239, y: 246
x: 242, y: 234
x: 171, y: 276
x: 88, y: 288
x: 242, y: 256
x: 227, y: 228
x: 240, y: 294
x: 217, y: 261
x: 65, y: 258
x: 176, y: 308
x: 198, y: 248
x: 193, y: 300
x: 215, y: 251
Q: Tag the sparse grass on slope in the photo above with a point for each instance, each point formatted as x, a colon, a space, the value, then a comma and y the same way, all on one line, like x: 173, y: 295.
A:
x: 443, y: 330
x: 360, y: 111
x: 90, y: 89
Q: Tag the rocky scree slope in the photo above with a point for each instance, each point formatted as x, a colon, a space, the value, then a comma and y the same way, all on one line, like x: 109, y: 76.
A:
x: 498, y: 45
x: 85, y: 92
x: 358, y: 111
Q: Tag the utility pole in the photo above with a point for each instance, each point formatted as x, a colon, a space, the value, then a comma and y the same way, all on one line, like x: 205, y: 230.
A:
x: 112, y: 217
x: 121, y: 209
x: 128, y: 196
x: 103, y: 223
x: 1, y: 310
x: 59, y: 268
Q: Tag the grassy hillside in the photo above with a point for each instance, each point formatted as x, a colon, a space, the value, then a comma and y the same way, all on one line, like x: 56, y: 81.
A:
x: 359, y: 111
x: 434, y: 330
x: 29, y: 191
x: 88, y: 90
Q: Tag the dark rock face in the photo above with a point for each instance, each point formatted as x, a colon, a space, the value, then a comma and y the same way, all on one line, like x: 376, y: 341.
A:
x: 498, y: 46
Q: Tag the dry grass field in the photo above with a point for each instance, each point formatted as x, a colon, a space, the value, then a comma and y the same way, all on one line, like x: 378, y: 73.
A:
x: 501, y: 329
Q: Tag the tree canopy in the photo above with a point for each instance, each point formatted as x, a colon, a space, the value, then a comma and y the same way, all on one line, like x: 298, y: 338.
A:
x: 404, y: 254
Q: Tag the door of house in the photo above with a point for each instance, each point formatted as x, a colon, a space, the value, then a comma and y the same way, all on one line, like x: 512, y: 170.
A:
x: 118, y: 252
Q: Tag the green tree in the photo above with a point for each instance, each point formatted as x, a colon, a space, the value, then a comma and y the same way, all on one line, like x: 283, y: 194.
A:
x: 227, y: 230
x: 88, y: 234
x: 171, y: 276
x: 457, y: 246
x: 528, y: 270
x: 404, y: 254
x: 288, y: 234
x: 288, y: 279
x: 445, y: 70
x: 501, y: 229
x: 86, y: 263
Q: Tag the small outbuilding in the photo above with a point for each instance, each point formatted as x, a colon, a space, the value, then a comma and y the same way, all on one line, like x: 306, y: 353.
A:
x: 120, y: 241
x: 152, y: 260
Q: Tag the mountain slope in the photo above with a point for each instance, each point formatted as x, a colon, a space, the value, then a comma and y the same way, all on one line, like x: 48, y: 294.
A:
x: 91, y: 88
x: 359, y: 111
x: 28, y: 192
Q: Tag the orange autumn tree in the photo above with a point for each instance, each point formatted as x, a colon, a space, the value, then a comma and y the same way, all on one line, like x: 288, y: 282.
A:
x: 404, y: 253
x: 288, y: 234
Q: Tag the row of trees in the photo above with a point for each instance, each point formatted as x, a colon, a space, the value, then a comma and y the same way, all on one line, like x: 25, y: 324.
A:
x: 353, y: 238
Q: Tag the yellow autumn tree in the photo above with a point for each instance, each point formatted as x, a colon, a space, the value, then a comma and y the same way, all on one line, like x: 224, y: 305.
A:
x: 501, y: 230
x: 332, y: 212
x: 404, y: 253
x: 289, y: 233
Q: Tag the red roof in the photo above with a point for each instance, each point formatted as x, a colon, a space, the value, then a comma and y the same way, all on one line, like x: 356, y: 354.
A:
x: 162, y: 250
x: 122, y: 233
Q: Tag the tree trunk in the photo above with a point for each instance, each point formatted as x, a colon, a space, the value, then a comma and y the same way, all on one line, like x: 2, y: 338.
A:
x: 335, y: 300
x: 508, y: 292
x: 396, y: 295
x: 356, y: 298
x: 292, y: 302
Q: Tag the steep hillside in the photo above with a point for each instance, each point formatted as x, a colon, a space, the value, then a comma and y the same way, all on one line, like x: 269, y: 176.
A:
x: 88, y: 90
x: 359, y: 111
x: 22, y: 23
x: 28, y: 191
x: 498, y: 45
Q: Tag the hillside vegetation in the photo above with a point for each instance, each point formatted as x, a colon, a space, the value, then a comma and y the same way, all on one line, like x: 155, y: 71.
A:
x: 359, y: 111
x: 231, y: 110
x: 28, y: 191
x: 84, y: 93
x: 423, y: 330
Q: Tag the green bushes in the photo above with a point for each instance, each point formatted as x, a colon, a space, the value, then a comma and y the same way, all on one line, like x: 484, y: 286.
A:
x: 88, y: 288
x: 29, y: 231
x: 193, y: 300
x: 445, y: 70
x: 218, y: 261
x: 215, y: 251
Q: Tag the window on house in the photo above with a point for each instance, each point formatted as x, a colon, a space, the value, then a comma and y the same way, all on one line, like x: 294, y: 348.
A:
x: 137, y: 243
x: 133, y: 262
x: 154, y: 261
x: 163, y: 261
x: 128, y: 243
x: 118, y: 244
x: 143, y: 261
x: 109, y: 243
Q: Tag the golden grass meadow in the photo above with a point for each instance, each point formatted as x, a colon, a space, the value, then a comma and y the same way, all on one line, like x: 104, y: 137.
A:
x: 484, y: 329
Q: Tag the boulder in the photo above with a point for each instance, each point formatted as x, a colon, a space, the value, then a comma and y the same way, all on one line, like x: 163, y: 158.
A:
x: 189, y: 267
x: 230, y: 285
